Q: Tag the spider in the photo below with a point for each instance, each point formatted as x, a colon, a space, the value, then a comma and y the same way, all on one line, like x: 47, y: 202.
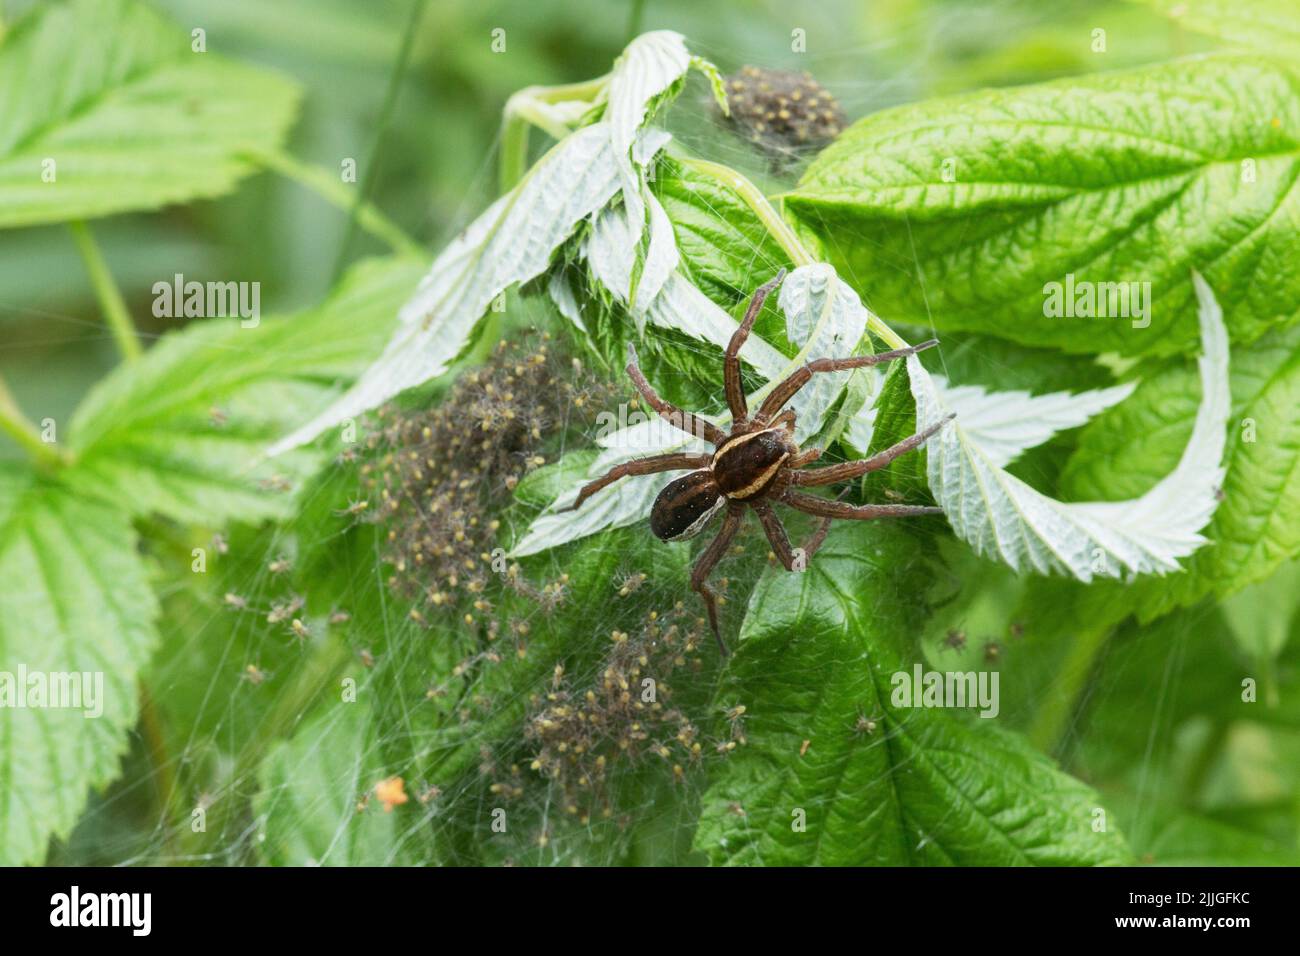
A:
x: 754, y: 464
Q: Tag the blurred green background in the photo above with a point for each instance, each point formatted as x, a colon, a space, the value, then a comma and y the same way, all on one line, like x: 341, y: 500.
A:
x: 434, y: 165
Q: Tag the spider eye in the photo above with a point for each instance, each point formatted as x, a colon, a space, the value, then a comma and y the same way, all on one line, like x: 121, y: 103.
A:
x: 685, y: 506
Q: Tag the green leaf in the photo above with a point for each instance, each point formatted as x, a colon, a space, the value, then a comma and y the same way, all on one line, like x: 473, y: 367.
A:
x: 1133, y: 732
x: 725, y: 247
x: 107, y: 108
x: 1261, y: 616
x: 818, y: 652
x: 181, y: 431
x: 1257, y: 525
x: 312, y: 786
x: 1002, y: 517
x: 1002, y: 366
x: 1268, y: 25
x: 960, y: 211
x: 74, y: 599
x: 896, y: 420
x: 1185, y: 839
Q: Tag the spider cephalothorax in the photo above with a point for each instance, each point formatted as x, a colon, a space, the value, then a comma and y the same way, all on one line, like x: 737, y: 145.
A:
x: 755, y: 463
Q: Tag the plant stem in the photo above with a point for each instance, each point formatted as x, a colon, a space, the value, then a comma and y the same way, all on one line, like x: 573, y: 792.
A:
x: 753, y: 197
x: 18, y: 427
x: 635, y: 19
x: 107, y: 292
x: 155, y: 743
x: 777, y: 228
x: 381, y: 127
x: 513, y: 160
x: 521, y: 112
x: 1207, y: 755
x: 329, y: 188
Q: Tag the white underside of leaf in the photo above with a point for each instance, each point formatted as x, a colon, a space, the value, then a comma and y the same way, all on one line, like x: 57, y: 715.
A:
x: 613, y: 247
x: 1005, y: 424
x: 566, y: 303
x: 683, y: 307
x: 649, y: 65
x: 826, y: 319
x: 510, y: 243
x: 1003, y: 518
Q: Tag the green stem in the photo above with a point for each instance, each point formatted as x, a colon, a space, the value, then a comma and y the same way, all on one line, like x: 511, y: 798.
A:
x: 107, y: 292
x: 332, y: 190
x: 18, y: 427
x: 521, y: 112
x: 513, y: 161
x: 777, y: 228
x: 1207, y: 755
x: 634, y: 20
x: 155, y: 743
x: 381, y: 127
x: 753, y: 197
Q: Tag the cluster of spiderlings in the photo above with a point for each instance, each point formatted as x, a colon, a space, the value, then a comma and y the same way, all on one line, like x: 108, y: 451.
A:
x: 580, y: 731
x: 782, y: 113
x: 434, y: 476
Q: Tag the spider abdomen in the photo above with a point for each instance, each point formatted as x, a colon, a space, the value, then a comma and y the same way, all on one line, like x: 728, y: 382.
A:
x: 685, y: 506
x: 744, y: 466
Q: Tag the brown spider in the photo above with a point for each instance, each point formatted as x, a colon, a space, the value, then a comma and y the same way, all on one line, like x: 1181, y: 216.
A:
x: 754, y: 464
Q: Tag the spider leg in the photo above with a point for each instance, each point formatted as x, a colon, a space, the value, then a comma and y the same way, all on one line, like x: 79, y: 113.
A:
x: 684, y: 420
x: 852, y: 469
x: 679, y: 461
x: 825, y: 508
x: 731, y: 361
x: 799, y: 378
x: 709, y: 560
x: 784, y: 419
x: 804, y: 457
x: 780, y: 541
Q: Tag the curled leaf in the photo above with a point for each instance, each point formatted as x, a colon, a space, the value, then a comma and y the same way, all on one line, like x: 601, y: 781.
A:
x: 1003, y: 518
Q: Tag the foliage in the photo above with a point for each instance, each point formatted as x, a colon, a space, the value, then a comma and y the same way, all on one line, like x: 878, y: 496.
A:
x: 320, y: 559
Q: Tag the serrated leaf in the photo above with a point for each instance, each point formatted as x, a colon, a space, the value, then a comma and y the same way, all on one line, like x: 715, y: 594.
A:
x: 818, y: 651
x: 1002, y: 517
x: 684, y: 308
x: 726, y: 249
x: 962, y: 211
x: 612, y: 251
x: 182, y: 431
x: 1005, y: 424
x: 1257, y: 526
x: 823, y: 316
x: 510, y: 243
x: 74, y: 599
x: 112, y: 96
x: 652, y: 64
